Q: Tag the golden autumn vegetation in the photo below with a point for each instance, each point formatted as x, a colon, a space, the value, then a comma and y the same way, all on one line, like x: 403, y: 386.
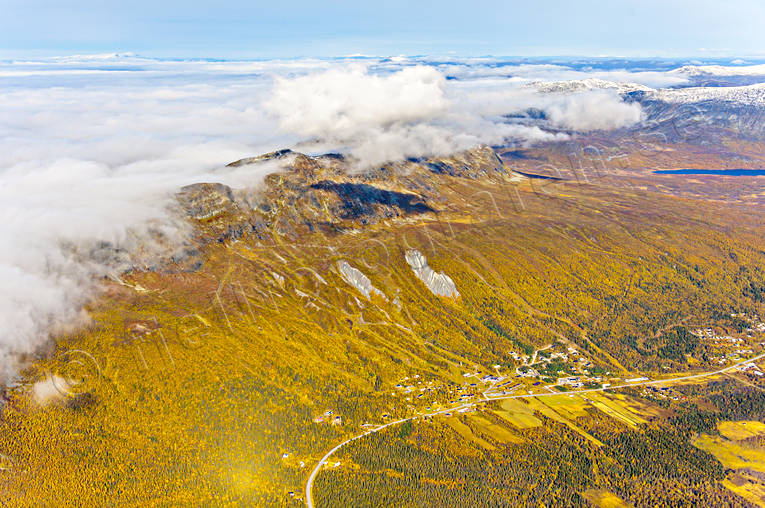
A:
x: 202, y: 387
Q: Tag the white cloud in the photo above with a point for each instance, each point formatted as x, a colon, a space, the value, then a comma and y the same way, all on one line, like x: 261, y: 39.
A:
x: 593, y: 110
x: 88, y: 163
x: 380, y: 117
x: 415, y: 111
x: 49, y: 390
x: 338, y: 102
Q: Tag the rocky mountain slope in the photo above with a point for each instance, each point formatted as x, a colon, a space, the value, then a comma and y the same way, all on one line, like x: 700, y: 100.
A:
x: 325, y: 193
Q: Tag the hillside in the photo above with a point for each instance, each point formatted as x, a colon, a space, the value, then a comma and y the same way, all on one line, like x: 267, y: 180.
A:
x: 329, y: 298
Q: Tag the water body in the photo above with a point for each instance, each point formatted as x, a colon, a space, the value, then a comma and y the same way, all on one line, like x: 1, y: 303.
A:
x: 724, y: 172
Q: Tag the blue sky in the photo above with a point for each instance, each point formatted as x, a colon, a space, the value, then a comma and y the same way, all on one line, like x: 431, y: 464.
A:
x: 257, y: 29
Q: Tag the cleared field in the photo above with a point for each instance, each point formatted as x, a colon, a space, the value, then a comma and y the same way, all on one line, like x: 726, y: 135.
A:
x: 520, y: 420
x: 616, y: 409
x: 730, y: 454
x: 493, y: 430
x: 466, y: 433
x: 515, y: 406
x: 518, y: 414
x: 637, y: 407
x: 736, y: 431
x: 549, y: 412
x: 570, y: 407
x: 746, y: 486
x: 604, y: 499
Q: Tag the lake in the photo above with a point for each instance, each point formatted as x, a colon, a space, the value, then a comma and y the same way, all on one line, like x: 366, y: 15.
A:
x: 725, y: 172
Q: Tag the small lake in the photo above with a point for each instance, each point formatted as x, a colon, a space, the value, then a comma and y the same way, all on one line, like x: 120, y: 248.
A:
x: 725, y: 172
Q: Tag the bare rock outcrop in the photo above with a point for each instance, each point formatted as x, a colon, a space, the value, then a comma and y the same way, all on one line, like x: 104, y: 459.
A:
x: 357, y: 279
x: 479, y: 162
x: 439, y: 283
x: 204, y: 201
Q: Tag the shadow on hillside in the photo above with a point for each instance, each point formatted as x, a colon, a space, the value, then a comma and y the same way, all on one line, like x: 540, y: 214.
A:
x: 359, y: 198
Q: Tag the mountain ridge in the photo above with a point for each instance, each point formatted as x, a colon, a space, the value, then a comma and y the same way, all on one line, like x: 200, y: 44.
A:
x: 324, y: 192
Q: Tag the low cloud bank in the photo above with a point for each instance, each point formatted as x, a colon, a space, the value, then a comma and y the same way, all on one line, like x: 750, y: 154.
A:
x: 93, y: 150
x: 82, y: 165
x: 414, y: 111
x: 595, y: 110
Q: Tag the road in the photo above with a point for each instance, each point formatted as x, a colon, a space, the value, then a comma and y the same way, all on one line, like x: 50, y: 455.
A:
x: 488, y: 396
x: 315, y: 472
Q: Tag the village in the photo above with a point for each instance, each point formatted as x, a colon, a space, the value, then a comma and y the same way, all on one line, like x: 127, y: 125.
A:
x: 554, y: 368
x: 725, y: 349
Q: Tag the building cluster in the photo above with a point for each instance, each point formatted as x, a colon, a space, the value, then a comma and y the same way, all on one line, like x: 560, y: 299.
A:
x: 727, y: 347
x: 750, y: 368
x: 328, y: 417
x: 661, y: 392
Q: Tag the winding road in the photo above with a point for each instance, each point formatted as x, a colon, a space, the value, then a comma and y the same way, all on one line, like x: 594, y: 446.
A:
x: 488, y: 396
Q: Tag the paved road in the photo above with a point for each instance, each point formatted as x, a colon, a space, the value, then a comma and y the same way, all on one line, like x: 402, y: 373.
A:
x: 488, y: 396
x: 315, y: 472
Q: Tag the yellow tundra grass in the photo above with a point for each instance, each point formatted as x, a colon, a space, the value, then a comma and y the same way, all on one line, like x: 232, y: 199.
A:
x: 730, y: 454
x: 604, y: 499
x: 736, y: 431
x: 464, y: 431
x: 493, y: 430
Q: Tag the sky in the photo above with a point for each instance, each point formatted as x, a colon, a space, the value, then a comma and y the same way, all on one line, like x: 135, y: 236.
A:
x: 258, y: 29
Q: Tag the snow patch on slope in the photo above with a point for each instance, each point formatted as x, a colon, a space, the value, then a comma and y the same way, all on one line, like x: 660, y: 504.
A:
x: 439, y: 283
x: 357, y: 279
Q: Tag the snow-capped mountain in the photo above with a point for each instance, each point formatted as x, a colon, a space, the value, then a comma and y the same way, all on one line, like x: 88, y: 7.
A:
x: 720, y: 108
x: 586, y: 85
x: 721, y: 70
